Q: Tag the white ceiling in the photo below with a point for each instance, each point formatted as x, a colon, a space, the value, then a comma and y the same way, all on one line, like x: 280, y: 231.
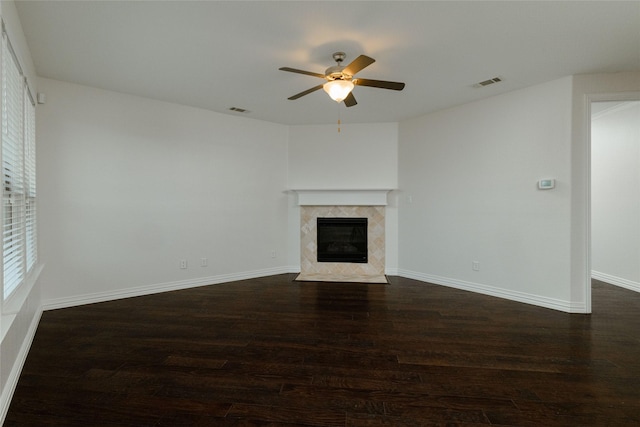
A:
x: 216, y: 55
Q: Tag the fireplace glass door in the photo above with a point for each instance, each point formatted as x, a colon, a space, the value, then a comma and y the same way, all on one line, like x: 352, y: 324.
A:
x: 342, y: 240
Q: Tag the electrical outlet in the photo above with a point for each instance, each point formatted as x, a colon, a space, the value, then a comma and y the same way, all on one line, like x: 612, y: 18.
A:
x: 204, y: 262
x: 273, y: 254
x: 183, y: 263
x: 475, y: 265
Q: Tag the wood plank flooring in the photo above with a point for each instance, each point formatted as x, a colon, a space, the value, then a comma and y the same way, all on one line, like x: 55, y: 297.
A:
x: 274, y: 352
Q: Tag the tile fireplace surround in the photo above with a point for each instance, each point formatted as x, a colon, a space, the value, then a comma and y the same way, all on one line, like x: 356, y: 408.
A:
x: 368, y: 204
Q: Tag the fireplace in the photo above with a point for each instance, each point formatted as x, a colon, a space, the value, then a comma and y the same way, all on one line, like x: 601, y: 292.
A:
x: 316, y: 206
x: 342, y: 240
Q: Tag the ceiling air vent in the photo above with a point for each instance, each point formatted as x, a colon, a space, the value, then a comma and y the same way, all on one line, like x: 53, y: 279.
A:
x: 239, y: 110
x: 488, y: 82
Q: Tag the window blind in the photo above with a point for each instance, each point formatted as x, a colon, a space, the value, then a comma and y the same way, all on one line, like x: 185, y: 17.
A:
x: 14, y: 195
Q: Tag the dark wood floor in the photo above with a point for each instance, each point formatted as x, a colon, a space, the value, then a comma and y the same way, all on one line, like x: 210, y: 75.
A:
x: 273, y: 352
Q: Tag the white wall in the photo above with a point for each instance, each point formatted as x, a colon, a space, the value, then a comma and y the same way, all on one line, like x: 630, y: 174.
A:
x: 20, y: 314
x: 360, y: 156
x: 468, y: 180
x: 130, y: 186
x: 615, y: 195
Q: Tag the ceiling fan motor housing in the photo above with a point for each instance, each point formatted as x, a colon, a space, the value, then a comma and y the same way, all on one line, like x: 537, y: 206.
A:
x: 335, y: 73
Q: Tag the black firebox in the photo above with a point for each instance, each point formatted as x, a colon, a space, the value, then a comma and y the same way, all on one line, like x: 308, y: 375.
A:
x: 342, y: 240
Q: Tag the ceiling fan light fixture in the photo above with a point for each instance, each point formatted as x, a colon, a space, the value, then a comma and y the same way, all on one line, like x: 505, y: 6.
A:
x: 338, y: 89
x: 339, y: 81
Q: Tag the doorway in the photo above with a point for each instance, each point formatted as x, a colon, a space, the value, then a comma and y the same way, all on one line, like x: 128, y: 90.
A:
x: 614, y: 191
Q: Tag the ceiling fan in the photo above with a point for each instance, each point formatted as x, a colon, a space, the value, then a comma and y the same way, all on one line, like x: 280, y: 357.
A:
x: 340, y: 80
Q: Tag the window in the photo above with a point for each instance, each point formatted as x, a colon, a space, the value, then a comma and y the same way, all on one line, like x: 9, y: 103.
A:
x: 19, y: 250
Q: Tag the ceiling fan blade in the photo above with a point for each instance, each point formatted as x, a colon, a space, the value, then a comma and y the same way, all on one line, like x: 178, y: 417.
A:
x: 379, y: 83
x: 358, y: 64
x: 308, y: 73
x: 350, y: 100
x: 306, y: 92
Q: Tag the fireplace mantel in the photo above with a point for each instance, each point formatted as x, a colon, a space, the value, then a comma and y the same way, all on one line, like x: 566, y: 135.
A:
x: 342, y: 197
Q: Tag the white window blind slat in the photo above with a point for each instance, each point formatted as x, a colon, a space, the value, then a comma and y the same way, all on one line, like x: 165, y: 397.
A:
x: 30, y: 182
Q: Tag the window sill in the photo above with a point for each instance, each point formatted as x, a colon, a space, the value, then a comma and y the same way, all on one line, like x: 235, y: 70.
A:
x: 12, y: 306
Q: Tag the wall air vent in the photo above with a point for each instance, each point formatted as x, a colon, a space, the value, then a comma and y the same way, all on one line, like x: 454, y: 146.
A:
x: 488, y: 82
x: 239, y: 110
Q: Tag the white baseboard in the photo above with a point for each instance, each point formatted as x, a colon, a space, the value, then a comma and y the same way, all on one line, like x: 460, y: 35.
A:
x: 65, y: 302
x: 541, y: 301
x: 537, y: 300
x: 14, y: 375
x: 391, y: 271
x: 617, y: 281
